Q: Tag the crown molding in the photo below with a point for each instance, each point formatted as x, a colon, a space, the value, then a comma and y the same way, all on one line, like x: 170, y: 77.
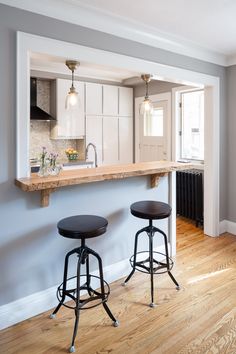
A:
x: 87, y: 16
x: 231, y: 60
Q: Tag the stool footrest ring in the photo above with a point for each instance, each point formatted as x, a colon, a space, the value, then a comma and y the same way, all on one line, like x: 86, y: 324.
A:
x: 143, y: 265
x: 91, y: 296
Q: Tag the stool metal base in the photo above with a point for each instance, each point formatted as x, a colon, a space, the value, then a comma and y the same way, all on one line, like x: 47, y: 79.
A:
x: 92, y: 298
x: 150, y: 265
x: 159, y: 268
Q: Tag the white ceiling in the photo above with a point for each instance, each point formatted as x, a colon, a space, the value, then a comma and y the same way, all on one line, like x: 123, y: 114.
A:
x: 208, y: 23
x: 203, y: 29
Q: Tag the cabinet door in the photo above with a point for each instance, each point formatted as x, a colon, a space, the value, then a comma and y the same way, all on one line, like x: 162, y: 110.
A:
x: 93, y: 99
x: 125, y: 140
x: 70, y: 123
x: 110, y: 140
x: 125, y: 101
x: 94, y: 135
x: 110, y: 100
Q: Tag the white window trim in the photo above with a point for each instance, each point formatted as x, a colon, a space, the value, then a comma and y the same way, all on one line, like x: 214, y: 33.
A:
x: 178, y: 98
x: 27, y: 43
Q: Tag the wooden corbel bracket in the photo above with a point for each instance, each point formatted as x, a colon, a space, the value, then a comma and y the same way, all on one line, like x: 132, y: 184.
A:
x: 45, y: 195
x: 155, y: 179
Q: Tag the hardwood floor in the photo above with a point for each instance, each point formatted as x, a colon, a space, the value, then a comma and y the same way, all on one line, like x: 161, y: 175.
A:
x: 200, y: 318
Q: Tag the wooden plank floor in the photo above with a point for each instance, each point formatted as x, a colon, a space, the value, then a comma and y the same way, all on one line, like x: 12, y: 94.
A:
x: 200, y: 318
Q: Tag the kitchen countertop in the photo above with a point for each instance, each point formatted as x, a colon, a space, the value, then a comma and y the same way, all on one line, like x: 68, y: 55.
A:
x: 46, y: 185
x: 66, y: 162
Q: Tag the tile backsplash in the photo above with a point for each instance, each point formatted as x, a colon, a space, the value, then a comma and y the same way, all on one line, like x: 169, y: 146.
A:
x: 40, y: 136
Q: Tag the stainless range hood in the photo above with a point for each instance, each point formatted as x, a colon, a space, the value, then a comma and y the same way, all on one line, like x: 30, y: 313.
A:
x: 36, y: 113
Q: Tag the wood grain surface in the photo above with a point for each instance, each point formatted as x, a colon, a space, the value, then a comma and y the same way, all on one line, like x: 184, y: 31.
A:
x: 156, y: 170
x: 88, y: 175
x: 200, y: 318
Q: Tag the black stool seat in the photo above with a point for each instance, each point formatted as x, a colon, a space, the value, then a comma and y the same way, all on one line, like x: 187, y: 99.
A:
x: 82, y: 226
x: 150, y: 210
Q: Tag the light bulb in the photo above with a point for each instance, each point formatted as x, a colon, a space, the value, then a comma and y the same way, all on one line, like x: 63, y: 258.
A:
x: 146, y: 106
x: 72, y: 98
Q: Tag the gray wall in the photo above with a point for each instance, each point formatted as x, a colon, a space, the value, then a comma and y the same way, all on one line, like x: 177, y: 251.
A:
x: 155, y: 87
x: 231, y: 146
x: 31, y: 254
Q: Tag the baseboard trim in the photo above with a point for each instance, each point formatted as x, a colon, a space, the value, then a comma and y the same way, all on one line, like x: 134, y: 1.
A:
x: 227, y: 226
x: 37, y: 303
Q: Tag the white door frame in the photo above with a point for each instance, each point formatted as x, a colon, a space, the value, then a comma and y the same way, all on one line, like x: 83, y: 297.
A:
x: 27, y: 43
x: 160, y: 97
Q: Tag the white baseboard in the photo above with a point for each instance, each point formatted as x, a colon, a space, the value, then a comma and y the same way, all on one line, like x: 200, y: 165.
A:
x: 42, y: 301
x: 227, y: 226
x: 223, y: 226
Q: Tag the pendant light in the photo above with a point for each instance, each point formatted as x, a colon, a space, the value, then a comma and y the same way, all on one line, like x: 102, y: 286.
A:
x: 72, y: 98
x: 146, y: 106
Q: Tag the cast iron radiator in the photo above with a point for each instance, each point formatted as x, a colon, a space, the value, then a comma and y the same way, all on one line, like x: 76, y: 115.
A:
x: 189, y: 195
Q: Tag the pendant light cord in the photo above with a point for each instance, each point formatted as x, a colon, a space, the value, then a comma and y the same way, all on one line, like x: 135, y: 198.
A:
x: 72, y: 78
x: 146, y: 90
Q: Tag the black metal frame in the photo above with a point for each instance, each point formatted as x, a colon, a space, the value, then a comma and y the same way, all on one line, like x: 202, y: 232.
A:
x: 151, y: 269
x: 83, y: 253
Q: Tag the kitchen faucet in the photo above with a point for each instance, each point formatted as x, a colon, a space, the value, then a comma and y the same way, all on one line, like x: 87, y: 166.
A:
x: 95, y: 153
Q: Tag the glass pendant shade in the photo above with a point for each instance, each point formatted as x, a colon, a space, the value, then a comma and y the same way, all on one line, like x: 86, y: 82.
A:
x: 72, y: 98
x: 146, y: 106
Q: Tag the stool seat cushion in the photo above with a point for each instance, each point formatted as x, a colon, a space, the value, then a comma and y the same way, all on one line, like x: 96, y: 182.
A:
x: 82, y: 226
x: 150, y: 209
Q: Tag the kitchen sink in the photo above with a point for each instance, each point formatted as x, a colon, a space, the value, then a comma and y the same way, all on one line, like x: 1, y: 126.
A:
x: 77, y: 165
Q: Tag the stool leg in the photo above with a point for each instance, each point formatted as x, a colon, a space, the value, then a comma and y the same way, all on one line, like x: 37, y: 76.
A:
x: 77, y: 309
x: 150, y: 235
x: 167, y: 262
x: 135, y: 255
x: 88, y: 277
x: 53, y: 315
x: 108, y: 311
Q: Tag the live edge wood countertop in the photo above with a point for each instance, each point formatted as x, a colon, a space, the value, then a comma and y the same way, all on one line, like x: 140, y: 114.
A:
x: 46, y: 185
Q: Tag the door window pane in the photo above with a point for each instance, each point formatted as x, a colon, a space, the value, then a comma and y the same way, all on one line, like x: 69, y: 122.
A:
x: 192, y: 138
x: 153, y: 122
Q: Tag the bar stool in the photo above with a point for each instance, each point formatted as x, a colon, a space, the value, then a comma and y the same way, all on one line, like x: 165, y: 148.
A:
x: 151, y: 210
x: 82, y: 227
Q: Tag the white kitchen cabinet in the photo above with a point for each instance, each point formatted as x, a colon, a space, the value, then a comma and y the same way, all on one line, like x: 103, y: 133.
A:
x: 125, y: 101
x: 94, y: 135
x: 125, y: 140
x: 93, y: 99
x: 109, y: 123
x: 70, y: 124
x: 110, y: 100
x: 110, y: 141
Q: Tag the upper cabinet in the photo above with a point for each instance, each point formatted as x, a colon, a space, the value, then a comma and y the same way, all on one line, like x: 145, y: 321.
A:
x: 70, y: 124
x: 110, y: 100
x: 125, y: 102
x: 93, y: 99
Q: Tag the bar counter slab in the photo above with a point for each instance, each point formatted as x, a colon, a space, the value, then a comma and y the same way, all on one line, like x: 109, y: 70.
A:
x: 156, y: 170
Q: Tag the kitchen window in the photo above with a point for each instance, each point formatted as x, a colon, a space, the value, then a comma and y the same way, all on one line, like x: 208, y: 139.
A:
x: 192, y: 125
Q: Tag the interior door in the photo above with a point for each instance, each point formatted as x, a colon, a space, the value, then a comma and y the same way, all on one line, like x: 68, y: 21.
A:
x: 153, y: 130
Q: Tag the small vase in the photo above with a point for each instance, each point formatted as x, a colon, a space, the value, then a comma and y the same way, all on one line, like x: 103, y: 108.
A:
x: 54, y: 170
x: 43, y: 170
